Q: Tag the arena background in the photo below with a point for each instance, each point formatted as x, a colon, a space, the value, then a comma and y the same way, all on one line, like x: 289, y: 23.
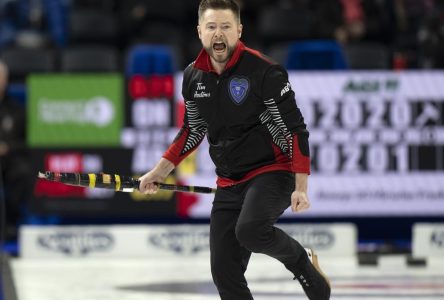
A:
x: 100, y: 82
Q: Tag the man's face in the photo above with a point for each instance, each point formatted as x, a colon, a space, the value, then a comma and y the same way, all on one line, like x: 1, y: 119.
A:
x: 219, y: 32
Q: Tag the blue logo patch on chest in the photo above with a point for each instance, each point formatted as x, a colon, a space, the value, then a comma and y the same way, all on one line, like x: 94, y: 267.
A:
x: 238, y: 89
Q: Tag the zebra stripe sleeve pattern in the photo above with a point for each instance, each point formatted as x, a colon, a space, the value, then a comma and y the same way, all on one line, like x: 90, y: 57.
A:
x: 281, y: 135
x: 287, y: 139
x: 189, y: 137
x: 197, y: 126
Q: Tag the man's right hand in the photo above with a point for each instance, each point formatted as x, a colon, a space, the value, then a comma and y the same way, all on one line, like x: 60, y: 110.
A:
x: 157, y: 175
x: 147, y: 182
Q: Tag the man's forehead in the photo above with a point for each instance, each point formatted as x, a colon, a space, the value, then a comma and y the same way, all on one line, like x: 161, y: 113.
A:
x: 218, y: 15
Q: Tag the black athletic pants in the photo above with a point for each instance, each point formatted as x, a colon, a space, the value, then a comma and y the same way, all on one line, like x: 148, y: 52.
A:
x: 242, y: 222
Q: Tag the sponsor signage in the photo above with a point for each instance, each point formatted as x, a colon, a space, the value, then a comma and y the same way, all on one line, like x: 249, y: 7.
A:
x: 164, y: 241
x: 326, y: 239
x: 179, y: 240
x: 428, y: 240
x: 70, y: 241
x: 74, y: 243
x: 75, y: 110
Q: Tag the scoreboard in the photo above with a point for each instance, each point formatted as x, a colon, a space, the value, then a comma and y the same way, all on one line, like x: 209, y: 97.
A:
x: 361, y: 131
x: 377, y: 142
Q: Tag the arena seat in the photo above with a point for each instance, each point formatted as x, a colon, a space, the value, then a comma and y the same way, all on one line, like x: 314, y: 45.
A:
x: 315, y: 55
x: 92, y: 26
x: 281, y: 24
x: 90, y: 58
x: 367, y: 56
x: 22, y: 61
x: 146, y: 59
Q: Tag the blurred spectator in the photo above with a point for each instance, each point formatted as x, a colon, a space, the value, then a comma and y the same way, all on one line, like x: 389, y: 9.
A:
x: 14, y: 166
x: 406, y: 19
x: 431, y: 36
x: 354, y: 20
x: 8, y: 28
x: 33, y: 23
x: 342, y: 20
x: 377, y: 21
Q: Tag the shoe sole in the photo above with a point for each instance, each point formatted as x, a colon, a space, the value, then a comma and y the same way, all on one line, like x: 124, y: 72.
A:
x: 314, y: 260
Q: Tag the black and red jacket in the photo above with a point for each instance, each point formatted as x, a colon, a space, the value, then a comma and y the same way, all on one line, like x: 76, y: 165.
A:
x: 249, y: 115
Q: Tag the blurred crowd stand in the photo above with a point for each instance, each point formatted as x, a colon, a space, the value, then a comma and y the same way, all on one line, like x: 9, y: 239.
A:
x: 43, y: 36
x: 386, y: 34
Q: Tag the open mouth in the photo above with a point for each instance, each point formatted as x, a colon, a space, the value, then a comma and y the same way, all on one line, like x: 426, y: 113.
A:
x: 219, y: 46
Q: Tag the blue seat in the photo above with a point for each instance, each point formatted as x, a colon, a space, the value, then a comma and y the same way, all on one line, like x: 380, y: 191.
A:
x: 17, y: 92
x: 316, y: 55
x: 146, y: 59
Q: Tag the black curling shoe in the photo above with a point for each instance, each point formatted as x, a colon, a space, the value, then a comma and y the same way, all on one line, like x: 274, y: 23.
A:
x: 314, y: 282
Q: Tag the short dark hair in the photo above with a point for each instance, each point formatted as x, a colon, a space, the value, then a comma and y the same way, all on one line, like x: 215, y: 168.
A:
x: 219, y: 4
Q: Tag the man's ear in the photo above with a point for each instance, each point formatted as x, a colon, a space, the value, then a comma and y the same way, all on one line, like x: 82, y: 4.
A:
x: 199, y: 33
x: 240, y: 30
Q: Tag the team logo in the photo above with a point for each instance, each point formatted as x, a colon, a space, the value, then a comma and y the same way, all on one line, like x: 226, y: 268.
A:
x: 286, y: 89
x: 238, y: 89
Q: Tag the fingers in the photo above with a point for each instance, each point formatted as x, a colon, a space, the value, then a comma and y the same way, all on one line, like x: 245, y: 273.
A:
x: 299, y: 202
x: 302, y: 205
x: 148, y: 185
x: 148, y: 188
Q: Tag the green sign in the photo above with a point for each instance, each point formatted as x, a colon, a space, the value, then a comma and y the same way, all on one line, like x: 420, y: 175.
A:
x: 66, y: 110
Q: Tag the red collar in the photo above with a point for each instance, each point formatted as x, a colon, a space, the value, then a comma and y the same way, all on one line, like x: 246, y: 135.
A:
x: 203, y: 61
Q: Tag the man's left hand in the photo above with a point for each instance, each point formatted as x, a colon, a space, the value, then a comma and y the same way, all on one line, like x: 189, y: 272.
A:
x: 299, y: 201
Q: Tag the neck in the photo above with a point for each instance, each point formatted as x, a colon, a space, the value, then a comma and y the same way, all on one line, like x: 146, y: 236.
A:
x: 218, y: 67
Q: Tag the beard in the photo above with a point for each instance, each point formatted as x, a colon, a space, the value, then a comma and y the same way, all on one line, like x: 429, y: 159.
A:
x: 220, y: 58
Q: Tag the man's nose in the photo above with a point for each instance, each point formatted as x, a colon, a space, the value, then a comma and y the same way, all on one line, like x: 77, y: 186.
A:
x: 218, y: 32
